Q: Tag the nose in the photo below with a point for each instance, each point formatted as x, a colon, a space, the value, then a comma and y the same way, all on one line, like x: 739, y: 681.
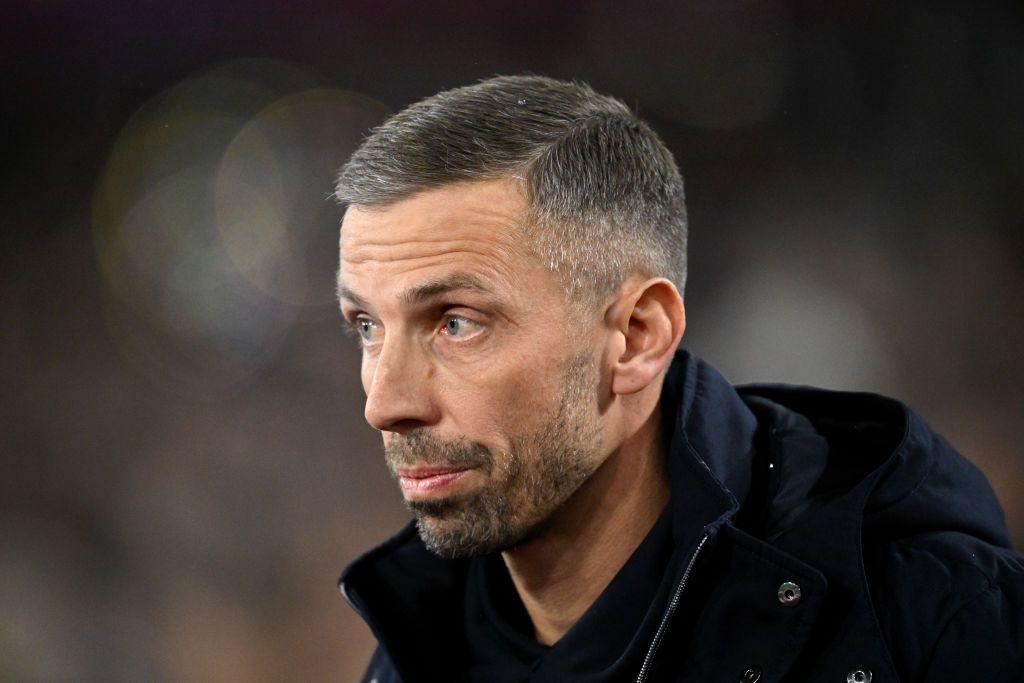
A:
x: 399, y: 391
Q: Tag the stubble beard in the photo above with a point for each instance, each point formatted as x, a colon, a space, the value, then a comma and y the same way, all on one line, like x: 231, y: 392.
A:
x: 541, y: 470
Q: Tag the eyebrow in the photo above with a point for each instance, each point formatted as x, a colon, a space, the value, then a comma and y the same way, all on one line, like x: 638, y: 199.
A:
x: 350, y: 296
x: 424, y: 291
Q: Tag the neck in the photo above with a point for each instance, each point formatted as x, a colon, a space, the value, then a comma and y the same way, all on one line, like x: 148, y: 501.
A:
x: 561, y: 571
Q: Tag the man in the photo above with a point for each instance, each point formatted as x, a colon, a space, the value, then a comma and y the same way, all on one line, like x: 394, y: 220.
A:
x: 591, y: 504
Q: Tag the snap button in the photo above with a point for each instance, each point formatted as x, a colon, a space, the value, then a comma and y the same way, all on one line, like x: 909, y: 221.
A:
x: 859, y: 676
x: 789, y: 594
x: 751, y: 675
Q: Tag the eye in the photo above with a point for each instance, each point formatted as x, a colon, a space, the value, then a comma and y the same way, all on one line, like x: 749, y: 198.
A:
x: 370, y: 332
x: 458, y: 327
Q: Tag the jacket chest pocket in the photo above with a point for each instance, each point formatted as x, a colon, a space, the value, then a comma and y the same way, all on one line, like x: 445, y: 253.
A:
x: 746, y: 618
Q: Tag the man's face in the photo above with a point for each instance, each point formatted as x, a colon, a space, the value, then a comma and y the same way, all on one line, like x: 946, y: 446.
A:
x: 486, y: 396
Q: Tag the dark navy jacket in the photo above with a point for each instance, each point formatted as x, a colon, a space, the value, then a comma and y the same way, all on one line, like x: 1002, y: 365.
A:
x: 819, y: 536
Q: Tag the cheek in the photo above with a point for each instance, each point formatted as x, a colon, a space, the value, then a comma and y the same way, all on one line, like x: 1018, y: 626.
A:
x: 496, y: 406
x: 529, y: 393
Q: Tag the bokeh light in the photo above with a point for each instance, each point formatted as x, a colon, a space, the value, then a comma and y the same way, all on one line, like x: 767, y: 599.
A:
x: 270, y: 207
x: 213, y: 221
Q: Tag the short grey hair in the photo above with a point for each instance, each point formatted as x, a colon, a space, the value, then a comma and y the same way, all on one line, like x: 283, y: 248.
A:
x: 606, y: 197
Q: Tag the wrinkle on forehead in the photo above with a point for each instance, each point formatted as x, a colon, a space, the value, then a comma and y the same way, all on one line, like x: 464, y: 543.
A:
x: 475, y: 226
x: 484, y: 260
x: 413, y: 249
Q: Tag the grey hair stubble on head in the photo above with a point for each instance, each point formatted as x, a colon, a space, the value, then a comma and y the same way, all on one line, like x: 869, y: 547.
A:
x: 606, y: 197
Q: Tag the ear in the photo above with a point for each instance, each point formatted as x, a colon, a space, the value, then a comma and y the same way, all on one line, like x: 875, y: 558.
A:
x: 648, y: 320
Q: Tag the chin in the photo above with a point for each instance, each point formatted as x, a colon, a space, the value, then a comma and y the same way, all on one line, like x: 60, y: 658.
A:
x: 455, y: 537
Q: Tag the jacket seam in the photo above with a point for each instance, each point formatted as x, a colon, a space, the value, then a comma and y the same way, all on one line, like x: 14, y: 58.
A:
x: 949, y: 622
x: 909, y: 417
x: 698, y: 390
x: 758, y: 552
x: 865, y: 586
x: 961, y: 563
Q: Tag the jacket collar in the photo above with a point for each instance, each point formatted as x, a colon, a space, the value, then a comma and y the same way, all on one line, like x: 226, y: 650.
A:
x: 710, y: 446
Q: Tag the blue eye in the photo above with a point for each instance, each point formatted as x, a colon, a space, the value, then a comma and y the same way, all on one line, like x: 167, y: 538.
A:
x: 369, y: 331
x: 459, y: 327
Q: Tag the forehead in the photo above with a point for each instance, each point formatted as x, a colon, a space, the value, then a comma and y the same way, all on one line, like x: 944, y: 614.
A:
x: 472, y: 227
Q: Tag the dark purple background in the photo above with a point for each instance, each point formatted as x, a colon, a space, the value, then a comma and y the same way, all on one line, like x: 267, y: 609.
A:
x: 185, y: 465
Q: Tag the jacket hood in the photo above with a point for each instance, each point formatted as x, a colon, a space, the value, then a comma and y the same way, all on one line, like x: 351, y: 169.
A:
x: 869, y: 451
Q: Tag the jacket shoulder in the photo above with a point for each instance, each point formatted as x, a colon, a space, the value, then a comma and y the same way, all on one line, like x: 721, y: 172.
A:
x: 951, y: 606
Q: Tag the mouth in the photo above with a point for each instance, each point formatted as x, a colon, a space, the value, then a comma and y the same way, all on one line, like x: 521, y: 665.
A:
x: 429, y: 480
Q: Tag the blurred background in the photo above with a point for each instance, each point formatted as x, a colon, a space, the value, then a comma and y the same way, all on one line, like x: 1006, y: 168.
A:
x: 185, y: 467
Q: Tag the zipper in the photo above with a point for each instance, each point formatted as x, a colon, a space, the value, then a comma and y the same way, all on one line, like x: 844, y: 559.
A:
x: 659, y: 635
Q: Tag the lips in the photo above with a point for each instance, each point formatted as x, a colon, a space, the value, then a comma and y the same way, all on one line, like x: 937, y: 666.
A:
x: 423, y: 480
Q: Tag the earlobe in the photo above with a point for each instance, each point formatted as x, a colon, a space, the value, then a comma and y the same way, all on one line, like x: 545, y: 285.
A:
x: 651, y: 319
